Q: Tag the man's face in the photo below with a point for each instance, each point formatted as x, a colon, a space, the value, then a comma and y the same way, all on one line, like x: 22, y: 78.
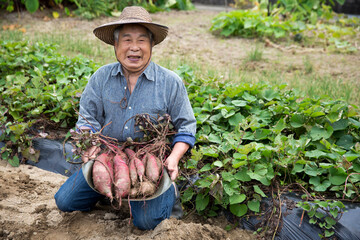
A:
x: 133, y: 49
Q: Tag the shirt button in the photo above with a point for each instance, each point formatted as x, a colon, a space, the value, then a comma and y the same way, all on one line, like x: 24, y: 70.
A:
x: 126, y: 127
x: 124, y: 87
x: 130, y: 108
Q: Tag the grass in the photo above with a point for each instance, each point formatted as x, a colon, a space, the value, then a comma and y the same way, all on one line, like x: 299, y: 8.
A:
x: 255, y: 55
x: 306, y: 80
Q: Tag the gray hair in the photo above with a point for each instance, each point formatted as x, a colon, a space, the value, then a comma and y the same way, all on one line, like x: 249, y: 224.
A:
x: 118, y: 29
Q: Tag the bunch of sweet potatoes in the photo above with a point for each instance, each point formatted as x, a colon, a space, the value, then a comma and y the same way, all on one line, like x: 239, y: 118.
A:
x: 124, y: 174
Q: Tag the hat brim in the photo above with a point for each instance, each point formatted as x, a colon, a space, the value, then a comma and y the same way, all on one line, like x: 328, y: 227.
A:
x: 105, y: 32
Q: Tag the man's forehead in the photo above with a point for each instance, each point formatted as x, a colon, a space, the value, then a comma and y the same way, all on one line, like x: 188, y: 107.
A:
x: 133, y: 27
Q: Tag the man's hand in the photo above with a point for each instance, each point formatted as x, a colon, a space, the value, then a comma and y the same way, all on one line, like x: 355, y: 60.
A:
x: 91, y: 153
x: 172, y: 161
x: 171, y: 165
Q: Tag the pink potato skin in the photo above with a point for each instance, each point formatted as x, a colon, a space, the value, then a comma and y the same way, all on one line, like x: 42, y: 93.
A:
x: 133, y: 173
x: 139, y: 166
x: 103, y: 174
x: 152, y: 168
x: 122, y: 177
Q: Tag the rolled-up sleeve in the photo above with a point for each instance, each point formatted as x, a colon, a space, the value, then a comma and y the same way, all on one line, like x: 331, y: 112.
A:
x: 182, y: 114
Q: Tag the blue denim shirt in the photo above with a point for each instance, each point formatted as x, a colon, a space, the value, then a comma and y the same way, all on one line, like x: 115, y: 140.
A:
x: 157, y: 91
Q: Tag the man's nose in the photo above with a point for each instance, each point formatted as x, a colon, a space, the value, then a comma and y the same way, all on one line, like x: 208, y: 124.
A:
x: 134, y: 46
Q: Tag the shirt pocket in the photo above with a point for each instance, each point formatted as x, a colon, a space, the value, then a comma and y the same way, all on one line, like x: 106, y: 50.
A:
x: 155, y: 110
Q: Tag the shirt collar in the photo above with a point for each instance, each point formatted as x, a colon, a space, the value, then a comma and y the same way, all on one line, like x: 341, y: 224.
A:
x: 149, y: 72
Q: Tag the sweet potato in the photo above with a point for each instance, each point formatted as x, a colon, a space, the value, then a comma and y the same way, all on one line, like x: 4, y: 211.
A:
x: 144, y: 159
x: 130, y: 153
x: 140, y: 168
x: 123, y: 155
x: 133, y: 173
x: 147, y: 188
x: 121, y: 178
x: 103, y: 174
x: 134, y: 191
x: 153, y: 168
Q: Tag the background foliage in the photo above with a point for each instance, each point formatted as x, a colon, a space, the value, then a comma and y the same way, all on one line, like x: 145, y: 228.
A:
x: 90, y: 9
x: 300, y: 20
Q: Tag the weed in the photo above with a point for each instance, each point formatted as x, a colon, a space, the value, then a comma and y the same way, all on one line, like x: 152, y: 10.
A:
x: 308, y: 65
x: 255, y: 55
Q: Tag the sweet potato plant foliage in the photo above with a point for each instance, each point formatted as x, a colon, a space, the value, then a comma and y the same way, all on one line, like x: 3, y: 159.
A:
x: 251, y: 137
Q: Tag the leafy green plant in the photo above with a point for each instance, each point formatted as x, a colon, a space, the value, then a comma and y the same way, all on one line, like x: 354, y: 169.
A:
x: 297, y: 19
x: 90, y: 9
x: 39, y: 88
x: 305, y: 10
x: 250, y: 137
x: 325, y: 214
x: 247, y: 23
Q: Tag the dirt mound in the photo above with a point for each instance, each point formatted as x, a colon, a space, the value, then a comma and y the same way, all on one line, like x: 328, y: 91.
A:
x: 28, y: 211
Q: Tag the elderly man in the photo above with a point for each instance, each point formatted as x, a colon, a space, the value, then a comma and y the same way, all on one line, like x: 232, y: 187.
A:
x: 118, y: 91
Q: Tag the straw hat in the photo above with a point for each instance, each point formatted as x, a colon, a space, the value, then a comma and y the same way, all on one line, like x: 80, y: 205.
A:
x: 136, y: 15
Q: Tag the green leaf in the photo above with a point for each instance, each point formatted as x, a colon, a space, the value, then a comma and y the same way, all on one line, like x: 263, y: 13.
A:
x: 346, y: 141
x: 329, y: 233
x: 32, y: 5
x: 227, y: 176
x: 226, y: 114
x: 261, y: 134
x: 351, y: 156
x: 319, y: 215
x: 259, y: 191
x: 313, y: 221
x: 209, y: 151
x: 245, y: 149
x: 317, y: 133
x: 214, y: 138
x: 297, y: 121
x: 15, y: 162
x: 239, y: 103
x: 187, y: 194
x: 237, y: 198
x: 218, y: 164
x: 270, y: 94
x: 280, y: 125
x: 206, y: 167
x: 248, y: 97
x: 342, y: 124
x: 254, y: 205
x: 238, y: 209
x: 319, y: 186
x: 236, y: 119
x: 315, y: 154
x: 330, y: 221
x: 297, y: 168
x: 201, y: 201
x: 242, y: 175
x: 337, y: 176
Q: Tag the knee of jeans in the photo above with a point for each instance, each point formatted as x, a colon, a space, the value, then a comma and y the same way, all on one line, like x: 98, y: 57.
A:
x: 62, y: 203
x: 146, y: 222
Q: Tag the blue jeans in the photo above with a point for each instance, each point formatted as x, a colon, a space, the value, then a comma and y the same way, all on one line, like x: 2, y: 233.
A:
x: 76, y: 195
